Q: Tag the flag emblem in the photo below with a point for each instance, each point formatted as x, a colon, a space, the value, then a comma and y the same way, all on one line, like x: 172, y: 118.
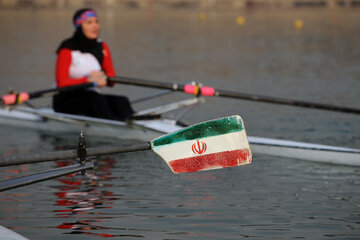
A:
x: 199, y: 148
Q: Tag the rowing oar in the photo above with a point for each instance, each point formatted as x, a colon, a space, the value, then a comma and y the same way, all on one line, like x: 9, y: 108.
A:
x: 17, y: 98
x: 208, y: 145
x: 199, y: 90
x: 39, y: 177
x: 68, y: 154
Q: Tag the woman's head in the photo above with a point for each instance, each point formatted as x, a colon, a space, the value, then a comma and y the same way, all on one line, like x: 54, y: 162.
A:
x: 86, y: 20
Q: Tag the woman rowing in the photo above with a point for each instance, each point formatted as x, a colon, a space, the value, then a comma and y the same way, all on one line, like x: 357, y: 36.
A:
x: 84, y: 58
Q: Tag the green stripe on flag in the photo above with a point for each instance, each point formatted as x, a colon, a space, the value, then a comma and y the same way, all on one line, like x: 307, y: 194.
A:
x: 203, y: 130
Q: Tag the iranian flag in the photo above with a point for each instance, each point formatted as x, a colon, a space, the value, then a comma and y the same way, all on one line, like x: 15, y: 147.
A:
x: 209, y: 145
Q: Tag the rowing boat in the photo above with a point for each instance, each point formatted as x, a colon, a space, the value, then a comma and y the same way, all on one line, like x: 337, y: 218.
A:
x: 48, y: 120
x: 7, y: 234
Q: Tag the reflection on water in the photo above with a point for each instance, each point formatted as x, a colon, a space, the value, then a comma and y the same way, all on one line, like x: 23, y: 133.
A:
x: 136, y: 196
x: 81, y: 198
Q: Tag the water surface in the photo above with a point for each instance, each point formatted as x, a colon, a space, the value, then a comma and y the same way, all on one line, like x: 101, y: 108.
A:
x: 135, y: 195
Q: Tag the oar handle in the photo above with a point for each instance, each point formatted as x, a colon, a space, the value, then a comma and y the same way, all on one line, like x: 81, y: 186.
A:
x: 17, y: 98
x: 193, y: 89
x: 147, y: 83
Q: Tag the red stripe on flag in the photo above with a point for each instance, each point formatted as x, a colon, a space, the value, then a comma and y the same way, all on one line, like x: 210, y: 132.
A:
x: 210, y: 161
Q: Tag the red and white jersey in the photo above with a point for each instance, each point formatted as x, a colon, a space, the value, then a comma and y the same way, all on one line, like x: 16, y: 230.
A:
x: 82, y: 64
x: 73, y: 66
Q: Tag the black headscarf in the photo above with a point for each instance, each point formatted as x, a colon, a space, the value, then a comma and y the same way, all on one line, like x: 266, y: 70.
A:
x: 81, y: 43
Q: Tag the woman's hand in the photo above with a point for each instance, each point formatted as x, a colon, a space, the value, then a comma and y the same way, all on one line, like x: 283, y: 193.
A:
x: 99, y: 77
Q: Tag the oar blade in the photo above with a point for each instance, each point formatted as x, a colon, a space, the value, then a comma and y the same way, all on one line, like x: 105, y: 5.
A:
x: 208, y: 145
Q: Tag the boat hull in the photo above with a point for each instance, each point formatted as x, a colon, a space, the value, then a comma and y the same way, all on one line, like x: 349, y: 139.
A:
x: 48, y: 120
x: 7, y: 234
x: 305, y: 151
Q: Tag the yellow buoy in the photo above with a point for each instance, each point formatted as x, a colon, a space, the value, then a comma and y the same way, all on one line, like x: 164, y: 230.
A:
x: 298, y: 24
x: 202, y: 16
x: 240, y: 20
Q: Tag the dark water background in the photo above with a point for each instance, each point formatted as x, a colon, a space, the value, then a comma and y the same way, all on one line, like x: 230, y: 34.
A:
x: 134, y: 195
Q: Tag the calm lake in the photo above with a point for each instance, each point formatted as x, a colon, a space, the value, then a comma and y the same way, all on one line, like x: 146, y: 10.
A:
x: 135, y: 195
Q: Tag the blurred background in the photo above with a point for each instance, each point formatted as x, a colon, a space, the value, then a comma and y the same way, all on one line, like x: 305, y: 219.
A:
x: 180, y: 4
x: 304, y: 50
x: 299, y: 49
